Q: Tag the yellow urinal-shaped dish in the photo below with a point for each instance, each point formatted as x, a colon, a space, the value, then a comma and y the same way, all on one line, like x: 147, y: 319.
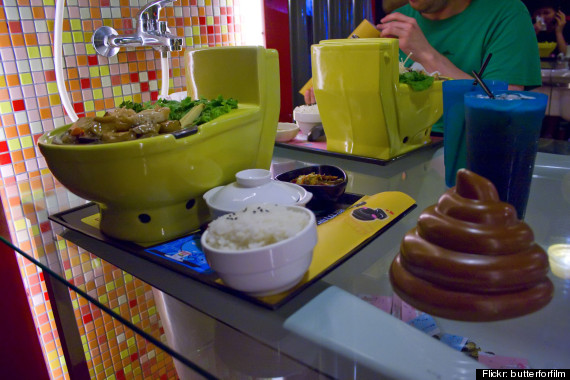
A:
x: 364, y: 109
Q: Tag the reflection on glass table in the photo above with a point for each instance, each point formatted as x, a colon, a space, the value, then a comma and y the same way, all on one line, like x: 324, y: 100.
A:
x: 339, y: 327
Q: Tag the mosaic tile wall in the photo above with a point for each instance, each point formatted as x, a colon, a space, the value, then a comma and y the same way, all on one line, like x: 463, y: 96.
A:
x: 30, y: 105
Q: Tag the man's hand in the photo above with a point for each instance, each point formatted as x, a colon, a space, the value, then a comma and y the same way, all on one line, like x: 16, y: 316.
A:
x: 310, y: 96
x: 560, y: 21
x: 410, y: 36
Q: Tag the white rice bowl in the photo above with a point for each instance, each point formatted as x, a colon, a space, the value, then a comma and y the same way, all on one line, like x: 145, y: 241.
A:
x: 264, y: 249
x: 255, y: 226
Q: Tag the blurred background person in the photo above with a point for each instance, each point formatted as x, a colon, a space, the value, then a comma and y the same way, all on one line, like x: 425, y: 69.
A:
x: 549, y: 22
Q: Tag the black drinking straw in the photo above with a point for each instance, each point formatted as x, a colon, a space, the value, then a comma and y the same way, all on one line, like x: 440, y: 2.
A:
x: 483, y: 67
x: 482, y: 84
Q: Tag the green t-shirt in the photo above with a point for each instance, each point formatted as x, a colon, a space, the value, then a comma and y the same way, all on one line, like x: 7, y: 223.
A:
x: 501, y: 27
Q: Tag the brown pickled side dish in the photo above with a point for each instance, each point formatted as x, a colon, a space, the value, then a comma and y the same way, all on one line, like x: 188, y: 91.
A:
x: 317, y: 179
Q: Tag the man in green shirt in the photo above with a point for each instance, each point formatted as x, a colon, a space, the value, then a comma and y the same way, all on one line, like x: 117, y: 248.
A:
x: 454, y: 37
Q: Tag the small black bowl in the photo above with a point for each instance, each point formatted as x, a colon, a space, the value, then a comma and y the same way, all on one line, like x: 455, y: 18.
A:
x: 321, y: 193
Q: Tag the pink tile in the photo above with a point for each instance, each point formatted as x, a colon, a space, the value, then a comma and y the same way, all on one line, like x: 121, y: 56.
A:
x: 73, y: 12
x: 57, y: 111
x: 87, y: 94
x: 20, y: 53
x: 28, y: 26
x: 71, y: 61
x: 34, y: 114
x: 44, y: 39
x: 7, y: 54
x: 31, y: 103
x: 84, y: 72
x: 41, y: 89
x: 80, y: 49
x: 38, y: 77
x: 15, y: 93
x: 50, y: 12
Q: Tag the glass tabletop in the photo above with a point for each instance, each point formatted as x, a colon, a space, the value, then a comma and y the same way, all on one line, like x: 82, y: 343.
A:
x: 346, y: 325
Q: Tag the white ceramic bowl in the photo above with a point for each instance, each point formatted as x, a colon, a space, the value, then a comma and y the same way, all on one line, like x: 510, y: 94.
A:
x: 254, y: 186
x: 286, y: 132
x: 307, y: 117
x: 265, y: 270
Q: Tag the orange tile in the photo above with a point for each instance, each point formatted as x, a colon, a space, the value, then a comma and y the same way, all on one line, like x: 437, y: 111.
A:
x: 96, y: 83
x: 125, y: 78
x: 11, y: 132
x: 87, y: 25
x: 17, y: 156
x: 74, y: 85
x: 170, y: 12
x: 5, y: 41
x: 109, y: 104
x: 72, y: 73
x: 19, y: 168
x: 126, y: 12
x: 82, y: 60
x: 141, y: 66
x: 132, y: 67
x: 122, y: 57
x: 3, y: 27
x: 23, y: 3
x: 30, y: 39
x: 76, y: 96
x: 29, y: 153
x: 150, y: 65
x: 38, y: 12
x: 66, y: 25
x: 24, y: 129
x: 45, y: 113
x: 118, y: 23
x: 195, y: 20
x: 43, y: 102
x: 99, y: 105
x: 12, y: 80
x: 201, y: 11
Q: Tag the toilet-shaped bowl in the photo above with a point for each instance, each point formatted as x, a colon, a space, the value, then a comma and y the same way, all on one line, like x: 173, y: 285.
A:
x: 364, y: 109
x: 150, y: 190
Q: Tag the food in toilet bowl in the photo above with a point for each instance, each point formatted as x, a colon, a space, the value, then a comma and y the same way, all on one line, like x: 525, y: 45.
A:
x: 132, y: 121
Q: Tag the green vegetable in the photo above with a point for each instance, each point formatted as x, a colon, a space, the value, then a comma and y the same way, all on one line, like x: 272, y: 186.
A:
x: 417, y: 81
x: 212, y: 108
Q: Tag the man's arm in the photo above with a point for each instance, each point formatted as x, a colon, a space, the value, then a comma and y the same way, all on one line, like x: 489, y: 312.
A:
x: 412, y: 40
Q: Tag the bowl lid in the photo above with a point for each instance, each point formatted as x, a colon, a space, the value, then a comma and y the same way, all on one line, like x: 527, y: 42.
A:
x: 253, y: 186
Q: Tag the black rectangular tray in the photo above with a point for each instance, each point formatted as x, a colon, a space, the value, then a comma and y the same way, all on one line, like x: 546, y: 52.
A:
x: 192, y: 262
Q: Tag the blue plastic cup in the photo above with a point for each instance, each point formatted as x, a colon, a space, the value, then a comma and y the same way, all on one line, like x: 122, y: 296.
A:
x: 502, y: 140
x: 454, y: 152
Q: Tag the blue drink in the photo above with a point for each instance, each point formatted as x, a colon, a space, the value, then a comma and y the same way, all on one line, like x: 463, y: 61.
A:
x: 502, y: 140
x: 455, y: 156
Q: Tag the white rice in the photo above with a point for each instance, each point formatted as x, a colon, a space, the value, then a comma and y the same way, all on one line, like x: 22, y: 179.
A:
x: 255, y: 226
x: 313, y: 108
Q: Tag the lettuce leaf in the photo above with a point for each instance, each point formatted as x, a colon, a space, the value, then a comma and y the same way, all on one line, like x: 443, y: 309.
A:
x: 416, y: 80
x: 212, y: 108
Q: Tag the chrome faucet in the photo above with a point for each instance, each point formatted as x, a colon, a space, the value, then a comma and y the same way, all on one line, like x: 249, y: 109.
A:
x: 150, y: 31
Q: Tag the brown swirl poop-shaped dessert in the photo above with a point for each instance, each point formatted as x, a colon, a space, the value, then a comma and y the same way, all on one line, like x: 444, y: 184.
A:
x: 471, y: 259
